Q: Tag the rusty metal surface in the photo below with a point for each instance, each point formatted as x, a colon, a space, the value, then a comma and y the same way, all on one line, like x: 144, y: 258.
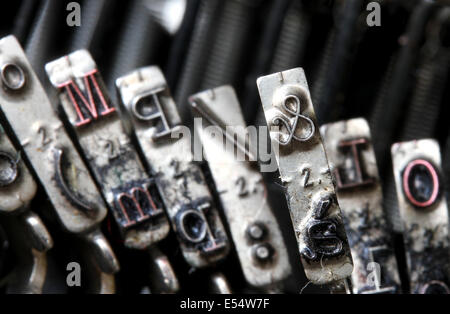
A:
x: 43, y: 139
x: 155, y: 120
x: 242, y: 192
x: 424, y: 213
x: 352, y: 161
x: 47, y: 148
x: 129, y: 191
x: 304, y: 172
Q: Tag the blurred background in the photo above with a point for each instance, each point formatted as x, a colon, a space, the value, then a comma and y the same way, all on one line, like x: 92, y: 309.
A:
x: 395, y: 75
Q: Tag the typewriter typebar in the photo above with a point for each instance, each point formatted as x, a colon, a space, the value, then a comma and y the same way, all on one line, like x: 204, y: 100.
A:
x: 130, y: 192
x: 29, y: 251
x: 150, y: 108
x: 257, y: 237
x: 219, y: 284
x: 351, y: 157
x: 52, y: 155
x: 305, y: 174
x: 164, y: 279
x: 423, y: 210
x: 28, y: 236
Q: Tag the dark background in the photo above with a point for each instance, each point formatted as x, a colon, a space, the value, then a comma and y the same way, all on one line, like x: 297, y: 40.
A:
x: 395, y: 75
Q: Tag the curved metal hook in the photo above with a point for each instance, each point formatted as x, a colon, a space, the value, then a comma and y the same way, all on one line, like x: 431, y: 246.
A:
x: 72, y: 197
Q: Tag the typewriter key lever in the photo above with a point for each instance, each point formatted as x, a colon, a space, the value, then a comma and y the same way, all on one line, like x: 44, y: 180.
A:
x: 352, y: 160
x: 424, y: 212
x: 130, y: 191
x: 27, y: 234
x: 36, y: 128
x: 259, y: 244
x: 162, y: 274
x: 151, y: 111
x: 154, y: 117
x: 305, y: 173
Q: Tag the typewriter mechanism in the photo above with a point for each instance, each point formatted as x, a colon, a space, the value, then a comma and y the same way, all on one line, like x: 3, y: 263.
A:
x: 225, y: 147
